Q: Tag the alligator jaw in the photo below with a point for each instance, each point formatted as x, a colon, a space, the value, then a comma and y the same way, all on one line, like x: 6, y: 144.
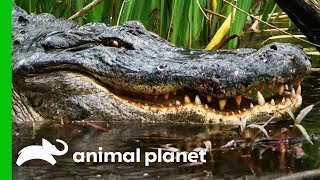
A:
x: 225, y: 111
x: 181, y: 106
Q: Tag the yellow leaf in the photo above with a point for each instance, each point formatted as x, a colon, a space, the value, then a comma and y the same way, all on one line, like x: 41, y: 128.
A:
x: 222, y: 31
x: 214, y: 5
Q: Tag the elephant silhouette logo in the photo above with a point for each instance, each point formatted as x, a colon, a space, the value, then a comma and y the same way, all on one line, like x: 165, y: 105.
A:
x: 44, y: 152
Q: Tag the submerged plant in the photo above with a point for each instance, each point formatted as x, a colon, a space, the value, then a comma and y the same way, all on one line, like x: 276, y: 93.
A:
x: 299, y: 118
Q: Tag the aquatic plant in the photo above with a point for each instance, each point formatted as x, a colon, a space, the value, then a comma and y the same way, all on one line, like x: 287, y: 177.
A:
x: 299, y: 118
x: 243, y: 126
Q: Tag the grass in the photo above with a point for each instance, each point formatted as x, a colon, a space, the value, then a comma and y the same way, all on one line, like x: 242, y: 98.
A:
x: 239, y: 20
x: 181, y: 22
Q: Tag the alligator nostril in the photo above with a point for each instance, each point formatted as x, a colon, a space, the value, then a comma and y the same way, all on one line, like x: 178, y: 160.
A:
x: 274, y: 47
x: 16, y: 42
x: 161, y: 67
x: 23, y: 20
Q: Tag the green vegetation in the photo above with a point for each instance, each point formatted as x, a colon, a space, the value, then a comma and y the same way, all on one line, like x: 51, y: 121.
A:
x: 189, y: 23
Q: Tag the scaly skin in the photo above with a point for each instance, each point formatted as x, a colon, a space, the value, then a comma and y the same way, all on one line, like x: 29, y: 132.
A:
x: 125, y: 73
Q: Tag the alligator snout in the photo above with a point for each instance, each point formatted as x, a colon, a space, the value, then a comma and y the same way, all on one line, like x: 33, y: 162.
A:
x: 221, y: 74
x: 206, y: 77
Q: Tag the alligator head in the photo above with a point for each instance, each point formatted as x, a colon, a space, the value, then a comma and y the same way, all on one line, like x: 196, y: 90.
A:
x: 125, y: 73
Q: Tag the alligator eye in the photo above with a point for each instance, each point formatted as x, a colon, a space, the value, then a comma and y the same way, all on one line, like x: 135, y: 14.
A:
x: 274, y: 47
x: 114, y: 43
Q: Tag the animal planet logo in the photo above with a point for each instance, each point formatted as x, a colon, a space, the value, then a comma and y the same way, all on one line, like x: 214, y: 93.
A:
x: 44, y: 152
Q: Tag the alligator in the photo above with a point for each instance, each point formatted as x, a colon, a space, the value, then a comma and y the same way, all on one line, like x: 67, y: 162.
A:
x: 125, y: 73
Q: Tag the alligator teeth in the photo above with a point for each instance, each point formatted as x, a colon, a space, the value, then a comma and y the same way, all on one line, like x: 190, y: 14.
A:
x: 286, y: 87
x: 298, y: 90
x: 197, y: 100
x: 244, y: 109
x: 239, y: 111
x: 174, y: 92
x: 170, y: 104
x: 209, y: 98
x: 283, y: 100
x: 251, y: 106
x: 222, y: 104
x: 178, y: 103
x: 293, y: 92
x: 288, y: 99
x: 280, y: 89
x: 272, y: 102
x: 166, y: 96
x: 260, y: 99
x: 187, y: 99
x: 260, y: 87
x: 206, y: 106
x: 238, y: 99
x: 286, y: 93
